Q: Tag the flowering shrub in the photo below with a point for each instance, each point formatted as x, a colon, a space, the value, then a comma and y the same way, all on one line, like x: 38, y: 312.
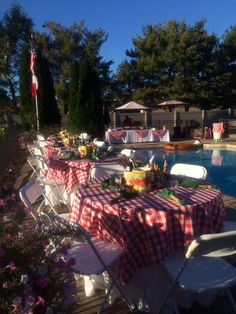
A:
x: 31, y: 279
x: 26, y: 138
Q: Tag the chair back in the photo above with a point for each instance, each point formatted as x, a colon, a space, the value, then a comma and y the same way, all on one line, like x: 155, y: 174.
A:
x: 105, y: 169
x: 40, y: 137
x: 85, y: 136
x: 218, y: 127
x: 129, y: 152
x: 100, y: 144
x: 30, y: 193
x: 215, y: 245
x: 41, y: 143
x: 34, y: 149
x: 192, y: 171
x: 56, y: 225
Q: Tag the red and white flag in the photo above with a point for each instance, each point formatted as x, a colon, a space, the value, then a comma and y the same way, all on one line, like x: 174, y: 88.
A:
x: 34, y: 87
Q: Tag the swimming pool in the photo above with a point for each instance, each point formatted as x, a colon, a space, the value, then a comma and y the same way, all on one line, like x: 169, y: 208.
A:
x: 220, y: 164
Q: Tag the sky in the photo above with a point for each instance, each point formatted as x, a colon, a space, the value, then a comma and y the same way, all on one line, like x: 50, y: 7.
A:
x: 124, y: 19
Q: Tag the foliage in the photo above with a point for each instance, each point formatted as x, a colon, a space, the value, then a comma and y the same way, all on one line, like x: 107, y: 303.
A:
x: 64, y: 45
x: 26, y: 138
x: 15, y: 28
x: 90, y: 106
x: 48, y: 111
x: 73, y: 99
x: 178, y: 61
x: 31, y: 280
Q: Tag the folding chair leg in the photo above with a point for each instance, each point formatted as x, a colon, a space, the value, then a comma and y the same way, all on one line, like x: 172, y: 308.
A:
x: 231, y: 299
x: 100, y: 310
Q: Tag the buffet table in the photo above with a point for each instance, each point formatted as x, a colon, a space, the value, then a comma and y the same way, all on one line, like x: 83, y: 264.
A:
x: 118, y: 136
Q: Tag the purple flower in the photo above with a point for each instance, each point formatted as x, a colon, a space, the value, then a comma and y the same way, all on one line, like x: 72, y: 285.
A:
x: 2, y: 202
x: 13, y: 196
x: 11, y: 266
x: 43, y: 282
x: 40, y: 301
x: 61, y: 262
x: 16, y: 304
x: 30, y: 299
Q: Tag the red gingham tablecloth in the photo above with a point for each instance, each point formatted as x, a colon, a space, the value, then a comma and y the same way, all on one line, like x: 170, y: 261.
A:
x: 76, y: 171
x: 149, y: 227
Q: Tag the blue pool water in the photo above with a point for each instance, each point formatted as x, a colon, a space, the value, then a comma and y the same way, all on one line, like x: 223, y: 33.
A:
x: 220, y: 164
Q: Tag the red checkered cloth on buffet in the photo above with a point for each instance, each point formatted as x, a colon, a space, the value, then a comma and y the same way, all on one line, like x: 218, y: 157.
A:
x: 142, y: 133
x: 150, y: 227
x: 50, y: 150
x: 116, y: 134
x: 159, y: 133
x: 77, y: 171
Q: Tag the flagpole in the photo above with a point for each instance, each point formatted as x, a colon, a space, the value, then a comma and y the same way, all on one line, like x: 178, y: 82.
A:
x: 37, y: 111
x: 33, y: 75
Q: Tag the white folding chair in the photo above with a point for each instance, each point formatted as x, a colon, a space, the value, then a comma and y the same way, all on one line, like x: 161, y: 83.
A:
x: 129, y: 152
x: 84, y: 137
x: 102, y: 169
x: 40, y: 137
x: 54, y: 189
x: 202, y: 268
x: 92, y: 256
x: 100, y: 144
x: 41, y: 143
x: 192, y: 171
x: 34, y: 150
x: 33, y: 193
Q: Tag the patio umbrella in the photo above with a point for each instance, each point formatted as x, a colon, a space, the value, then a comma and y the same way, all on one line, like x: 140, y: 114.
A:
x: 132, y: 105
x: 172, y: 102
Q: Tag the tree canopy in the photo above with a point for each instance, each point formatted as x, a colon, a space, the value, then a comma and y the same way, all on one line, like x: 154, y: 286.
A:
x: 169, y: 60
x: 175, y: 60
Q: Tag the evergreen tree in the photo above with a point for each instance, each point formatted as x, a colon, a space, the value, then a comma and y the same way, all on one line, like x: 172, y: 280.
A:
x: 48, y: 110
x: 73, y: 92
x: 90, y: 107
x: 27, y: 107
x: 15, y: 28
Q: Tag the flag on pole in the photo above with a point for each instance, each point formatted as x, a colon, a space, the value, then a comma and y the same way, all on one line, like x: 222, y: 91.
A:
x: 34, y: 87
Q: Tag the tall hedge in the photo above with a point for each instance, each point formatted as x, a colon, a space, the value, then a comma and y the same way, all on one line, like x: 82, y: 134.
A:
x: 73, y: 96
x: 48, y: 110
x: 90, y: 106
